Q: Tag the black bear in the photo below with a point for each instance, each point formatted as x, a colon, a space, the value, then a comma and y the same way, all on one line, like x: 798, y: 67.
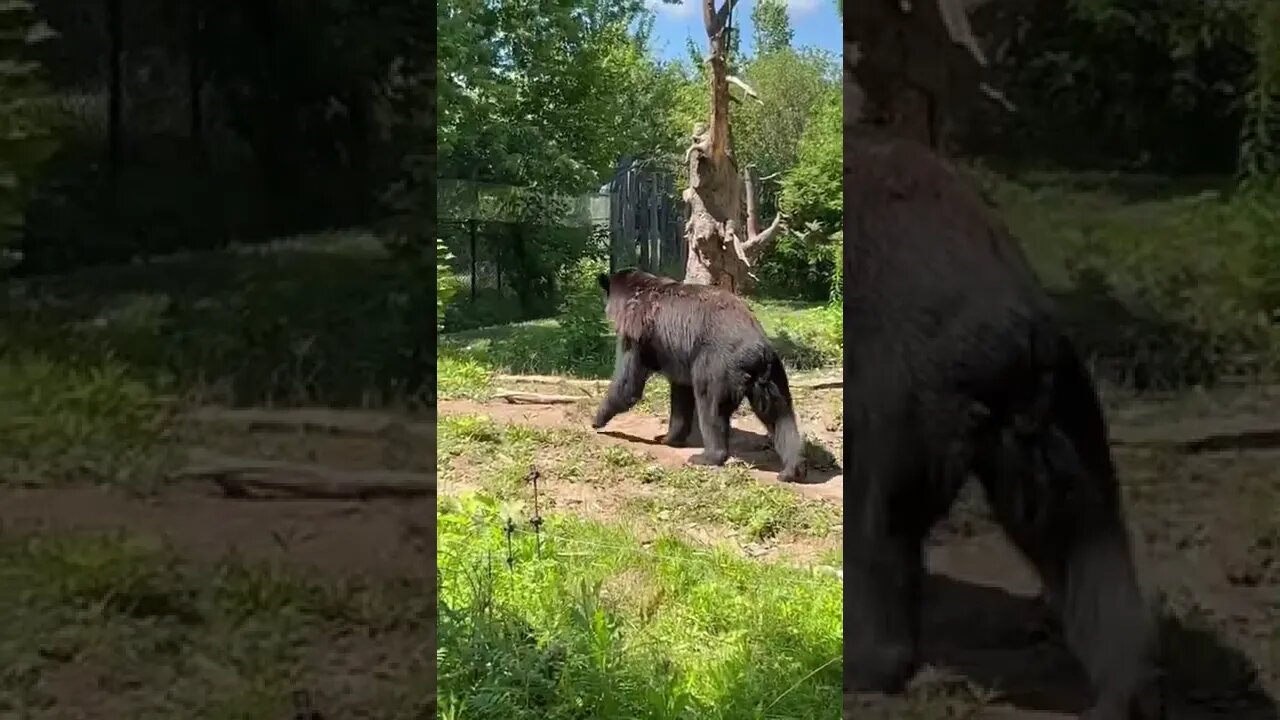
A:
x: 712, y: 350
x: 955, y: 365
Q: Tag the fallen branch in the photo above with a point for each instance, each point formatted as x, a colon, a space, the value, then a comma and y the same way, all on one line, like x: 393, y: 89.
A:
x: 263, y: 479
x: 317, y: 420
x: 1204, y: 437
x: 551, y: 380
x: 515, y: 397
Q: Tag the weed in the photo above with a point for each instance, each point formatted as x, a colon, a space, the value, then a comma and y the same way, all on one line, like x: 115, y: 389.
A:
x: 61, y: 422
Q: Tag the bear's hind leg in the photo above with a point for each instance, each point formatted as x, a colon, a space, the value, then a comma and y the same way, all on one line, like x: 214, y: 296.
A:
x: 716, y: 403
x: 683, y: 425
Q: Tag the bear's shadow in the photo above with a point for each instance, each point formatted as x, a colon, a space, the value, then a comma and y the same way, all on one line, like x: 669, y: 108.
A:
x: 1002, y: 641
x: 755, y: 449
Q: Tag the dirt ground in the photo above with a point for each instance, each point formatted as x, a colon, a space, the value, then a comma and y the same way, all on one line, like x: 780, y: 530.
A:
x: 1205, y: 515
x: 1202, y: 481
x: 334, y: 542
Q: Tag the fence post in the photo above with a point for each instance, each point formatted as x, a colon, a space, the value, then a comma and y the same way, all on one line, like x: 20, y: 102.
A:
x: 471, y: 225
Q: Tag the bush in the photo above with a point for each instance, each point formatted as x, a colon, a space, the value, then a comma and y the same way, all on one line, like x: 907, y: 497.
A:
x: 1159, y: 293
x: 447, y: 285
x: 67, y: 422
x: 582, y: 320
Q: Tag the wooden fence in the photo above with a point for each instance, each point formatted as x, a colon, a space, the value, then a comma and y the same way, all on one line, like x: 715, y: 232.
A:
x: 646, y: 220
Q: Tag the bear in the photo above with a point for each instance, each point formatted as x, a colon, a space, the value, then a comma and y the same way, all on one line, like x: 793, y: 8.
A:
x: 955, y: 366
x: 711, y: 349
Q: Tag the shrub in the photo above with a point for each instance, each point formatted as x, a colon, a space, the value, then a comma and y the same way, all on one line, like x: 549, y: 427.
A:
x: 447, y: 284
x: 582, y: 319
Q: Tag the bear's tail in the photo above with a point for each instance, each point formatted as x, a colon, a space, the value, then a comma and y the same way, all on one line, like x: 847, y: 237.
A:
x: 1075, y: 408
x: 770, y: 398
x: 1106, y: 618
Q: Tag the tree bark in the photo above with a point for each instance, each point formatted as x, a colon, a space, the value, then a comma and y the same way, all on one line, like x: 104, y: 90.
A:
x: 723, y: 231
x: 915, y: 64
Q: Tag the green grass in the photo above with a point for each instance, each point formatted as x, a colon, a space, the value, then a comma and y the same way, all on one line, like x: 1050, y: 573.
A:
x: 123, y: 626
x: 598, y: 625
x: 61, y: 422
x: 1163, y: 283
x: 731, y: 496
x: 324, y: 319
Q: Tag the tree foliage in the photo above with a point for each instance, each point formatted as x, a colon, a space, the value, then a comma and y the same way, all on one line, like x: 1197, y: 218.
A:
x: 548, y: 93
x: 1144, y: 84
x: 804, y: 263
x: 792, y: 85
x: 240, y: 121
x: 27, y: 116
x: 772, y: 26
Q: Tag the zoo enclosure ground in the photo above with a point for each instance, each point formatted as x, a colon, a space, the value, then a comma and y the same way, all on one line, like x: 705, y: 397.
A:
x: 1202, y: 499
x: 89, y: 358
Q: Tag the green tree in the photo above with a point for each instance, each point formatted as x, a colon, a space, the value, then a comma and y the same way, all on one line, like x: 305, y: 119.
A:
x: 549, y: 93
x: 804, y: 263
x: 772, y: 26
x: 813, y: 190
x: 1260, y: 142
x: 791, y: 84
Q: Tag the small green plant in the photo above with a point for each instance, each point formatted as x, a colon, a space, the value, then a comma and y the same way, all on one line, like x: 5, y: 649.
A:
x: 581, y: 318
x: 447, y: 285
x: 59, y: 422
x: 837, y: 275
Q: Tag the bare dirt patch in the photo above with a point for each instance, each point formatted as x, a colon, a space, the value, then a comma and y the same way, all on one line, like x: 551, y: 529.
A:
x: 340, y: 538
x: 643, y: 433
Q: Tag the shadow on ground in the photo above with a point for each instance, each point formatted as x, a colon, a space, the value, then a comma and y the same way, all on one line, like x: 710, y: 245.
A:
x: 1002, y: 642
x: 755, y: 449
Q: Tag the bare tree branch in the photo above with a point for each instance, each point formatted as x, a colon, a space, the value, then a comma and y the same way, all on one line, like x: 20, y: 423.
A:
x: 517, y: 397
x: 997, y: 97
x: 956, y: 17
x: 760, y: 241
x: 745, y: 88
x: 757, y: 239
x: 252, y: 477
x: 749, y: 178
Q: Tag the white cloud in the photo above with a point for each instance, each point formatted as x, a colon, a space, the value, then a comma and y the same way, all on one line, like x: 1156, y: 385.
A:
x: 686, y: 8
x: 796, y: 8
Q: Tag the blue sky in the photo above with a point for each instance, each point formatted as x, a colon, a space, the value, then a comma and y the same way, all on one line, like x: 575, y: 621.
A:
x: 814, y: 22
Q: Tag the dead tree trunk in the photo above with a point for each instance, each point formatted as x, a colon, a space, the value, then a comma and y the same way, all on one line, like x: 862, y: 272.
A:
x: 915, y: 63
x: 724, y: 234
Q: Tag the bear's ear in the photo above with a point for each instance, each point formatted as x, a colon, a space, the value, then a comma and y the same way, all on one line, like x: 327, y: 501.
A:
x: 604, y: 281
